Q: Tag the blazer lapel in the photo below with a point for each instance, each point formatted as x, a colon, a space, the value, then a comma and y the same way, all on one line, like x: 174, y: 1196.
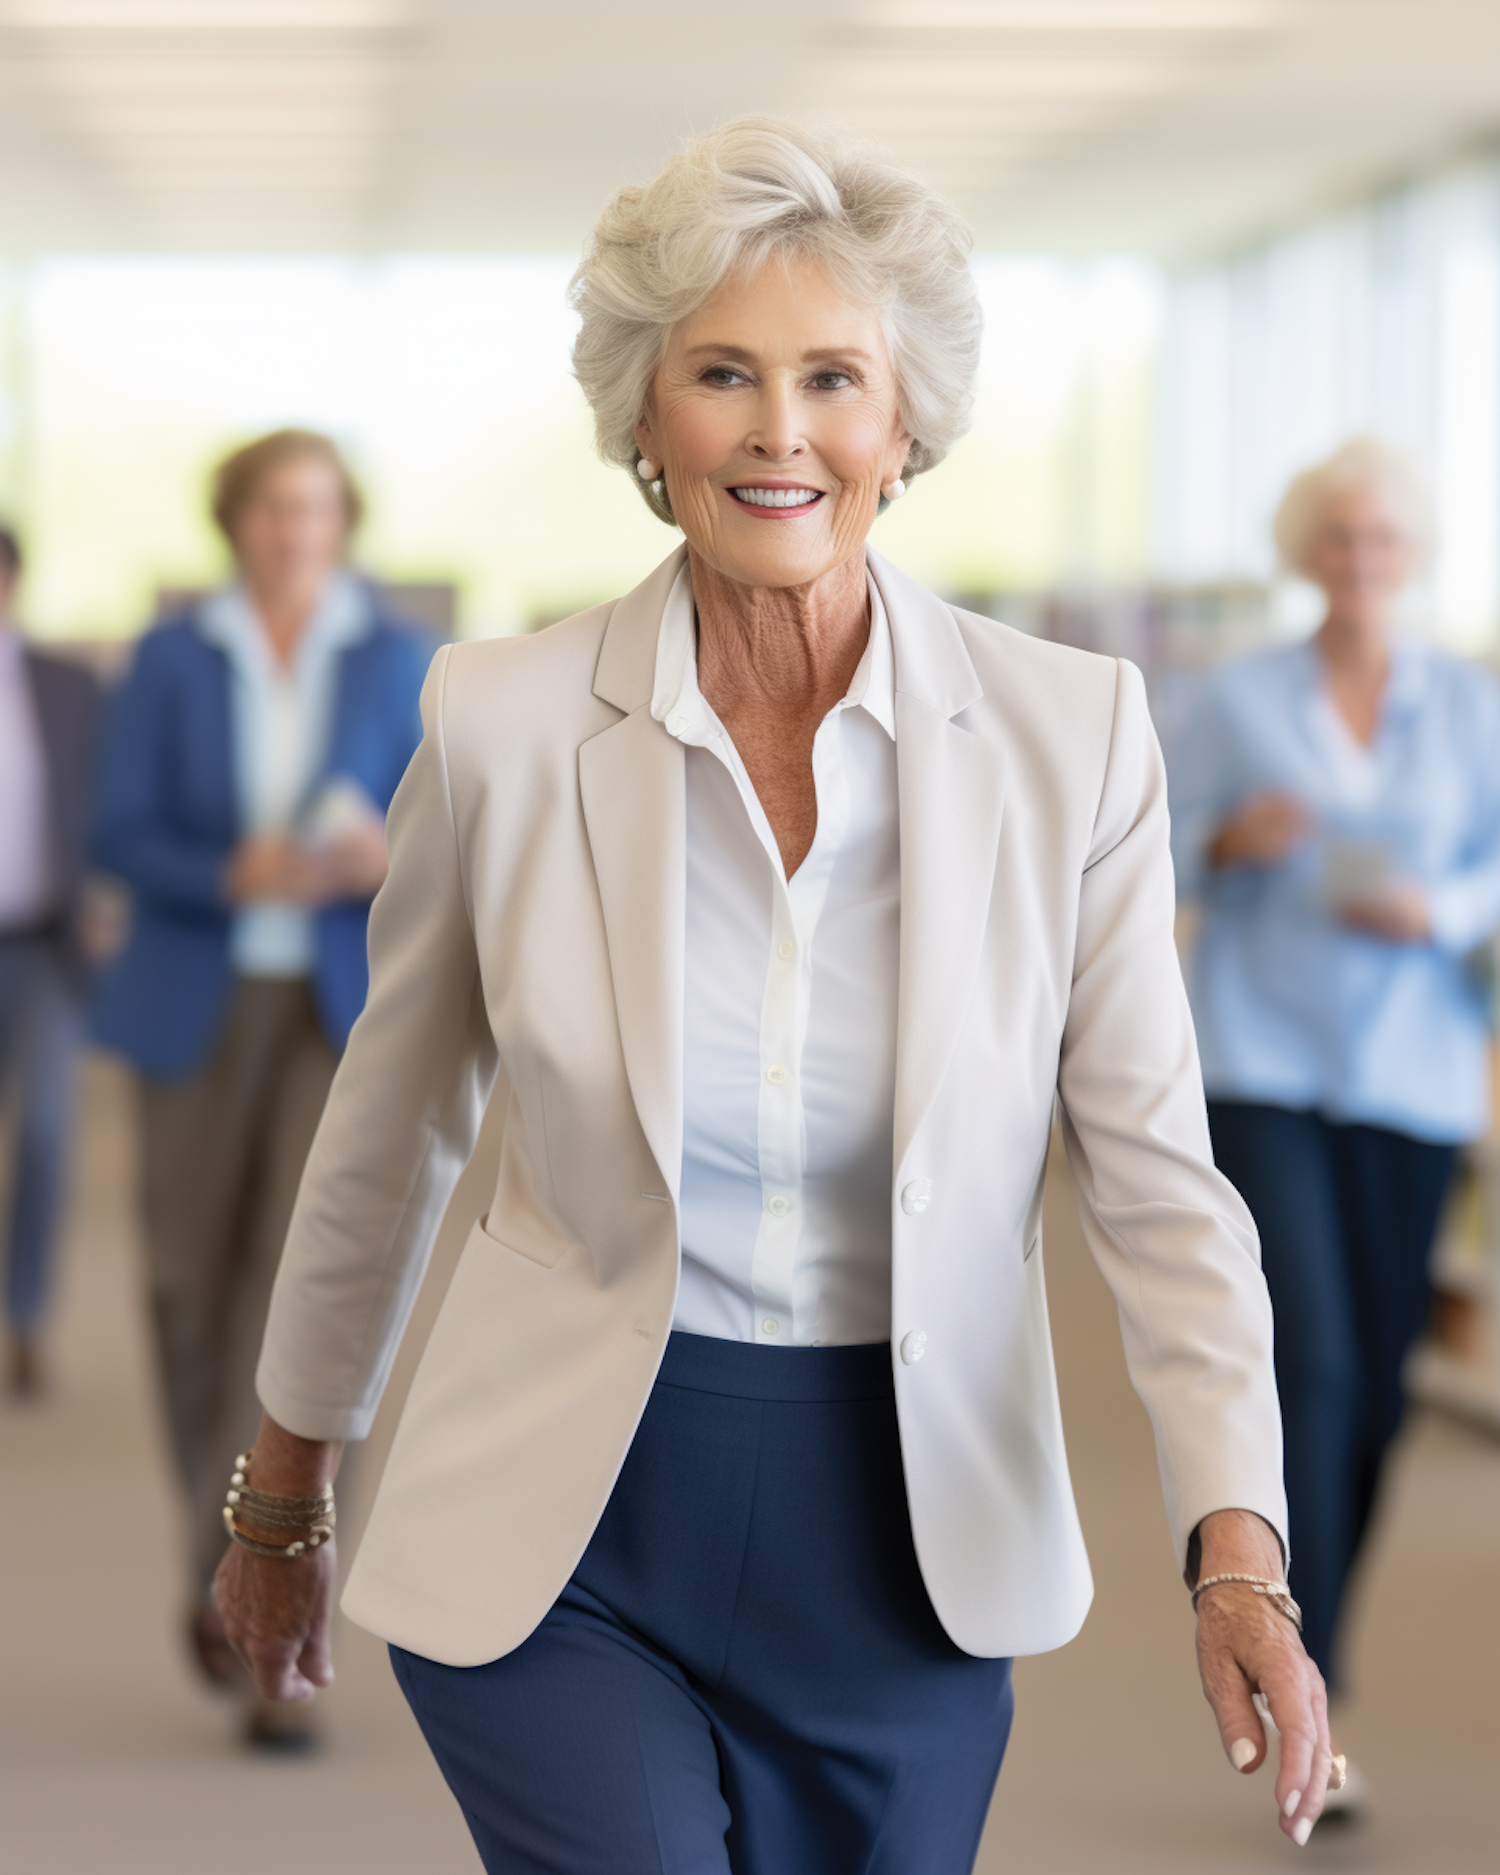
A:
x: 951, y: 787
x: 633, y: 783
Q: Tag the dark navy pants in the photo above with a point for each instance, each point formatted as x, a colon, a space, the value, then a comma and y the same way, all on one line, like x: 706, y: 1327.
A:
x: 40, y: 1034
x: 1346, y: 1216
x: 745, y: 1673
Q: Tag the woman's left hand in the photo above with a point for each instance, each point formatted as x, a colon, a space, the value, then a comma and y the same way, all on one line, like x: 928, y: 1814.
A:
x: 352, y: 866
x: 1245, y: 1646
x: 1399, y: 913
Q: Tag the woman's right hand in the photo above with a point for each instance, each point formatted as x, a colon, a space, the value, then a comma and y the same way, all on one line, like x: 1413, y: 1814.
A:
x: 269, y: 866
x: 278, y: 1617
x: 278, y: 1614
x: 1260, y: 832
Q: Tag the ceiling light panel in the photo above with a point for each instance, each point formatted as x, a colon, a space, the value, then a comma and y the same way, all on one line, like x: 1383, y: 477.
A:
x: 1001, y: 79
x: 205, y: 16
x: 1075, y: 16
x: 223, y: 116
x: 203, y: 79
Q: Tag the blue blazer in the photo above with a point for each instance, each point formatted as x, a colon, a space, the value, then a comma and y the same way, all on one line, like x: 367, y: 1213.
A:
x: 167, y: 813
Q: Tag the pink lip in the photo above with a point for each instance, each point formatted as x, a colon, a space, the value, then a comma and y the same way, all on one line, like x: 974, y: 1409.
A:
x: 777, y: 514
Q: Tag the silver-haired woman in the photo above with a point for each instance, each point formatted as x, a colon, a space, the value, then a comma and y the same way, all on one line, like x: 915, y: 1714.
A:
x: 1336, y: 809
x: 778, y: 899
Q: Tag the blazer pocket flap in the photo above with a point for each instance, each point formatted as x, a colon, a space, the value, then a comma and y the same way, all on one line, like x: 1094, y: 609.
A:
x: 537, y: 1246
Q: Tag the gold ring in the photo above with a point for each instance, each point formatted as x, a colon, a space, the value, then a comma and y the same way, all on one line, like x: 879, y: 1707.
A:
x: 1338, y: 1772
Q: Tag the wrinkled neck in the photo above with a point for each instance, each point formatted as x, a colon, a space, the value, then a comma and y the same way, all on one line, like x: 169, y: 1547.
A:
x: 790, y: 648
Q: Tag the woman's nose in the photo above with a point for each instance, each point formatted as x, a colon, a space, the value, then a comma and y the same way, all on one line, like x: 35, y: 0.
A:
x: 777, y: 434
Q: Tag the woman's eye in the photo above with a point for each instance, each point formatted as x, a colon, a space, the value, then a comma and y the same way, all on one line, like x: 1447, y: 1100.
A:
x: 831, y: 380
x: 722, y: 374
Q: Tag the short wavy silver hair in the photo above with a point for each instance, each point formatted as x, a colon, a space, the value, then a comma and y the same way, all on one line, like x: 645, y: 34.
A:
x: 758, y: 188
x: 1365, y: 463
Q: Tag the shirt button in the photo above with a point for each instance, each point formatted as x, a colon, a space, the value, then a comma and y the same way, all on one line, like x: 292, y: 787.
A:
x: 776, y: 1074
x: 917, y: 1196
x: 771, y: 1326
x: 786, y: 948
x: 678, y: 725
x: 913, y: 1346
x: 779, y: 1206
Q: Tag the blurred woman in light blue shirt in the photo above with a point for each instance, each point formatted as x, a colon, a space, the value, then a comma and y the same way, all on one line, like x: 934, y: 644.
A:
x: 1336, y: 812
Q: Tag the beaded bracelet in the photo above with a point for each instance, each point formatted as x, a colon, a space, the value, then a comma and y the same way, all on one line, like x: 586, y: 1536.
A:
x: 311, y: 1519
x: 1276, y: 1593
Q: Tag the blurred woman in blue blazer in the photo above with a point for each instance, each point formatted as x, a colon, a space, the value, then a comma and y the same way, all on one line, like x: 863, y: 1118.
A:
x: 1336, y: 809
x: 249, y: 759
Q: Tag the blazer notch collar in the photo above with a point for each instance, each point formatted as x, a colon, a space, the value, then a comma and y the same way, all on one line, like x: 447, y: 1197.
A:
x: 625, y: 673
x: 933, y: 665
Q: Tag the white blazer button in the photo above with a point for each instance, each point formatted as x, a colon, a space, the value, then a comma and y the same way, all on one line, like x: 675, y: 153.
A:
x: 913, y: 1346
x: 917, y: 1196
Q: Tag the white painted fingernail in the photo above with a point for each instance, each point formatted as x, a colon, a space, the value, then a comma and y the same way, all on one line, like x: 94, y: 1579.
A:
x: 1240, y: 1753
x: 1291, y: 1803
x: 1301, y: 1833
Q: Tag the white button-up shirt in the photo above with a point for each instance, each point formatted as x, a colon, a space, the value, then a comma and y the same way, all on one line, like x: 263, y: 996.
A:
x: 26, y: 873
x: 789, y: 1052
x: 283, y: 724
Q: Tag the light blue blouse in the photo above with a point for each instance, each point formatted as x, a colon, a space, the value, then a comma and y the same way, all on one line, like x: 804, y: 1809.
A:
x: 282, y: 725
x: 1293, y: 1007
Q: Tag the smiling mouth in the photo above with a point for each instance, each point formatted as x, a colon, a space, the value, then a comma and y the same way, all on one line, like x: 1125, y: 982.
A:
x: 776, y: 497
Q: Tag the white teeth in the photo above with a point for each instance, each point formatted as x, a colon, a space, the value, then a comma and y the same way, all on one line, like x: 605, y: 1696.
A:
x: 776, y: 497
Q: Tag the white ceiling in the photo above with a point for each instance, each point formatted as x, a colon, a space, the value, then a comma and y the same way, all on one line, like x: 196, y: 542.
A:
x: 1167, y: 126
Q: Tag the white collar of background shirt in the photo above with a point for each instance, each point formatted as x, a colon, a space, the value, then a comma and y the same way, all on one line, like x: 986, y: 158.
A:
x: 229, y: 620
x: 677, y: 701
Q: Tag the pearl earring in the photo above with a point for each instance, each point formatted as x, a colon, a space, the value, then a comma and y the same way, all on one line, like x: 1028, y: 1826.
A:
x: 893, y: 491
x: 646, y: 469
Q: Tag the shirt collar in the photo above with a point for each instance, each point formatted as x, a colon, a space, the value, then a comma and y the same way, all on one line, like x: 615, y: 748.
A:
x: 1411, y: 671
x: 227, y: 618
x: 677, y: 701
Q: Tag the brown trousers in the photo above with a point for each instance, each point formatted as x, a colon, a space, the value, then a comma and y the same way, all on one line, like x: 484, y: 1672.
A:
x: 223, y: 1151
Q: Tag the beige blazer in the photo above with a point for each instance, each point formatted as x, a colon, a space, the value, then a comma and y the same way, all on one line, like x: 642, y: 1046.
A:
x: 532, y: 926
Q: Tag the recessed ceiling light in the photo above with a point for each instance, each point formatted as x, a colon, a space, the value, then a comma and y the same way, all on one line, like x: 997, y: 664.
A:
x: 202, y: 81
x: 965, y: 78
x: 239, y: 16
x: 1086, y: 16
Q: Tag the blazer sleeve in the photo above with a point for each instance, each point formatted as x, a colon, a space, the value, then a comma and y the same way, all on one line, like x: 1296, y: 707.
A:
x: 400, y: 1125
x: 1172, y: 1237
x: 132, y: 832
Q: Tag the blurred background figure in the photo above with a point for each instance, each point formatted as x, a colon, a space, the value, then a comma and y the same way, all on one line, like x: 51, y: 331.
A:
x: 1336, y: 806
x: 248, y: 762
x: 48, y: 716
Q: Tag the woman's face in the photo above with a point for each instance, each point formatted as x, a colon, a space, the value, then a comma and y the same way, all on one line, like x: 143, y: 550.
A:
x: 1361, y: 555
x: 774, y: 416
x: 293, y: 530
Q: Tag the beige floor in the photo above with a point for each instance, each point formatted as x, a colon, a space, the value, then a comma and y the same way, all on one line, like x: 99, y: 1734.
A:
x: 113, y: 1763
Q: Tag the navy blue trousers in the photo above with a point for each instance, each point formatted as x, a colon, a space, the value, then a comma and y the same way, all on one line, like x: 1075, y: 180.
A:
x: 744, y: 1673
x: 1346, y: 1216
x: 40, y: 1035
